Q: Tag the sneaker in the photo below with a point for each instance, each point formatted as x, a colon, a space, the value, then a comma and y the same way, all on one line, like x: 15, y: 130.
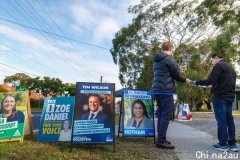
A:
x: 168, y: 142
x: 165, y: 145
x: 234, y: 148
x: 220, y: 148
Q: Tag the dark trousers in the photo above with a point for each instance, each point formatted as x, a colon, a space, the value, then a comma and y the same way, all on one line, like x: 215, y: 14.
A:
x: 165, y: 107
x: 225, y: 122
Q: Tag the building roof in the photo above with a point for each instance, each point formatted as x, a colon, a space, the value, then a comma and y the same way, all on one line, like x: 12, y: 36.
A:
x: 36, y: 96
x: 8, y: 88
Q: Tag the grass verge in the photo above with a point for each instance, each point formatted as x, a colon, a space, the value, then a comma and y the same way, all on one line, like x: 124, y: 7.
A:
x: 128, y: 148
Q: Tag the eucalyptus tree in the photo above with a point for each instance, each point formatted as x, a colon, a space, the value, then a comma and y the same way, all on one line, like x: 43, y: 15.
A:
x: 17, y: 78
x: 154, y: 23
x: 195, y: 27
x: 225, y: 15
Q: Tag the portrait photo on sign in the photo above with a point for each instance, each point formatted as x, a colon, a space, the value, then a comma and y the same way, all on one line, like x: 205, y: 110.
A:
x: 94, y: 106
x: 138, y: 113
x: 12, y: 114
x: 66, y: 131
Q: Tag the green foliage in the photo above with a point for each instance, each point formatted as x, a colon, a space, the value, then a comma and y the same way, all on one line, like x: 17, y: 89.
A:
x: 196, y: 29
x: 195, y: 65
x: 202, y: 106
x: 21, y: 77
x: 47, y: 85
x: 145, y: 79
x: 222, y: 13
x: 70, y: 88
x: 225, y: 44
x: 53, y: 86
x: 225, y: 16
x: 134, y: 45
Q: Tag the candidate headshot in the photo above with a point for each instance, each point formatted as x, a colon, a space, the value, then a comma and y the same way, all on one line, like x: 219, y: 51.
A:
x: 9, y: 110
x: 66, y: 132
x: 94, y: 110
x: 140, y: 117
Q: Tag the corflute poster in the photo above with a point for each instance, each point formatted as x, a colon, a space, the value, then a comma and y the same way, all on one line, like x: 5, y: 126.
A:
x: 12, y: 114
x: 94, y: 114
x: 138, y: 113
x: 56, y: 120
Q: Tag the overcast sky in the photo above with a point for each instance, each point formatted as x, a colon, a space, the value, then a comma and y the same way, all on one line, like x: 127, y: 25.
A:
x: 93, y: 23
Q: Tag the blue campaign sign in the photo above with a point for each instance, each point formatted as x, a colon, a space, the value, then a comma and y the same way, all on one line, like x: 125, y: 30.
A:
x: 138, y: 113
x: 56, y: 119
x: 94, y: 118
x: 93, y: 88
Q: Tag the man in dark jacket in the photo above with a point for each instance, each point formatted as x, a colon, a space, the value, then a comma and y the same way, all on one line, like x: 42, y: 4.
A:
x: 165, y: 70
x: 223, y: 81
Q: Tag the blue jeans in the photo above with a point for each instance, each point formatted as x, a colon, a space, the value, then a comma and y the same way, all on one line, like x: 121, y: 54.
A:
x: 165, y: 107
x: 225, y: 122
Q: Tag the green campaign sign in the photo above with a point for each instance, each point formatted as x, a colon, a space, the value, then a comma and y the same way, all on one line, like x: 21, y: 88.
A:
x: 12, y: 114
x: 20, y: 88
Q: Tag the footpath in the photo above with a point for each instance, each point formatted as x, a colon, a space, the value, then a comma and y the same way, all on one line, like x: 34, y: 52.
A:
x: 193, y: 144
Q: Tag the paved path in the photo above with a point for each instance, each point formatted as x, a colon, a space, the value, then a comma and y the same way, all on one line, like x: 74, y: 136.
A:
x: 194, y: 144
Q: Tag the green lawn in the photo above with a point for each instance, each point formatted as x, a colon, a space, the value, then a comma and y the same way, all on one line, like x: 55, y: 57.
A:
x: 127, y: 148
x: 130, y: 148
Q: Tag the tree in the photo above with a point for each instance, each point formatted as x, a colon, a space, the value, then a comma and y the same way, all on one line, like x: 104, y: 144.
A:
x: 196, y: 66
x: 70, y: 88
x: 225, y: 15
x: 46, y: 85
x: 34, y: 84
x: 195, y: 28
x: 18, y: 77
x: 53, y: 86
x: 155, y: 22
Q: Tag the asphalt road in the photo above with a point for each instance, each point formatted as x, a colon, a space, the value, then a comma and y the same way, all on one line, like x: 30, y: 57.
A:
x: 36, y: 116
x: 206, y: 122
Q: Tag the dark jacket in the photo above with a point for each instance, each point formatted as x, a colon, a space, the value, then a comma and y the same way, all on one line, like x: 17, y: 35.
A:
x: 222, y: 78
x: 165, y: 70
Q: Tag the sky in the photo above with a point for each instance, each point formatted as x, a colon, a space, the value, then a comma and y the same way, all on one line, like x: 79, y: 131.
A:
x: 35, y: 38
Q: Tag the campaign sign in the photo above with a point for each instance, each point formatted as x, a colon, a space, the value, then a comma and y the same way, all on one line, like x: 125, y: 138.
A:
x: 56, y: 119
x: 12, y: 114
x: 94, y: 117
x: 138, y: 114
x: 183, y: 112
